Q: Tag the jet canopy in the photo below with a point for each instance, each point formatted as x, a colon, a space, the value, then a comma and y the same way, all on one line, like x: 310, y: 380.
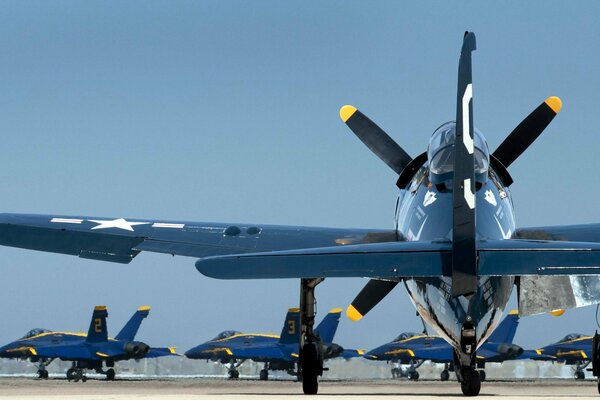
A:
x: 440, y: 153
x: 572, y: 336
x: 35, y: 332
x: 405, y: 335
x: 225, y: 335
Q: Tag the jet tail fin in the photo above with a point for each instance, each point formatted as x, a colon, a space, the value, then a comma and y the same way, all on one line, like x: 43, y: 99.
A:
x: 291, y: 327
x: 327, y: 328
x: 131, y: 327
x: 98, y: 331
x: 505, y: 333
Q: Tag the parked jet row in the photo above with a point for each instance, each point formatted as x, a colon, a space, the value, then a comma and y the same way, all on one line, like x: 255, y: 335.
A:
x: 276, y: 352
x: 87, y: 351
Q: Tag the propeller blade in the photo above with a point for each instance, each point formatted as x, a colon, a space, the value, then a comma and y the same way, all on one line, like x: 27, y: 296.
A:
x: 374, y: 291
x: 464, y: 250
x: 375, y: 138
x: 527, y: 131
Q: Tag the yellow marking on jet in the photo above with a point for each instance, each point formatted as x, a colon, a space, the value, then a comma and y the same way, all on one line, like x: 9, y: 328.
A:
x: 219, y: 350
x: 144, y: 308
x: 100, y: 308
x: 557, y: 312
x: 361, y: 351
x: 173, y: 350
x: 346, y: 112
x: 294, y: 309
x: 237, y: 335
x: 571, y: 353
x: 101, y: 354
x: 401, y: 351
x: 335, y: 310
x: 353, y: 314
x: 26, y: 348
x: 513, y: 312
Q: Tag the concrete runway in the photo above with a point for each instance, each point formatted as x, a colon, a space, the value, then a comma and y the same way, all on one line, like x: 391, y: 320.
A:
x: 25, y: 389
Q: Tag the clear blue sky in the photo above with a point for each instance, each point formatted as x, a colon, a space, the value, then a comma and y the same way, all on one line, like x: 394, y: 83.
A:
x: 228, y: 111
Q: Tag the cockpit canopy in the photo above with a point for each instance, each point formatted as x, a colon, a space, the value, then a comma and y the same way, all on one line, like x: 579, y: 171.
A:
x: 225, y: 335
x: 572, y: 336
x: 440, y: 153
x: 35, y: 332
x: 405, y: 335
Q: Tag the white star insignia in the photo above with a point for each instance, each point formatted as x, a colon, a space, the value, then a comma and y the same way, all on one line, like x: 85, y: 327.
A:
x: 119, y: 223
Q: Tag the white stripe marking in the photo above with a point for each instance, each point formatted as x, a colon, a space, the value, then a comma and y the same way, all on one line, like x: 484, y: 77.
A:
x: 66, y: 220
x: 165, y: 225
x: 467, y: 139
x: 469, y: 195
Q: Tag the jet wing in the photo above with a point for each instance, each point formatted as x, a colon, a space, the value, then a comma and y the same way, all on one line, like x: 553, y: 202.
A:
x: 66, y: 352
x: 409, y: 259
x: 438, y: 354
x: 258, y: 353
x: 161, y: 352
x: 120, y: 240
x: 571, y: 233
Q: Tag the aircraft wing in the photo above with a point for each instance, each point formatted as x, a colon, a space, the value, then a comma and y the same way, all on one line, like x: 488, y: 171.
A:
x: 161, y: 352
x: 571, y: 233
x: 67, y: 352
x: 409, y: 259
x: 534, y: 355
x: 257, y: 353
x: 120, y: 240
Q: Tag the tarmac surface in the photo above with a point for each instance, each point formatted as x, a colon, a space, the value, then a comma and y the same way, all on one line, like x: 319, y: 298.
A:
x: 174, y: 389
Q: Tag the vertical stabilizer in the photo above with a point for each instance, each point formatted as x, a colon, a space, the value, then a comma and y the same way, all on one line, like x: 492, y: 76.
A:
x: 327, y: 328
x: 505, y: 333
x: 131, y: 327
x: 291, y: 327
x: 98, y: 331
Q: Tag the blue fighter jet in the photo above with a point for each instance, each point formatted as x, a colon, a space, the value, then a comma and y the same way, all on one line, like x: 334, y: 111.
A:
x: 278, y: 353
x: 413, y: 349
x: 90, y: 351
x: 574, y: 349
x: 455, y: 245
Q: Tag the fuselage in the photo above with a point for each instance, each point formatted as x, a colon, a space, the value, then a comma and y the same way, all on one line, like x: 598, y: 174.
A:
x: 424, y: 213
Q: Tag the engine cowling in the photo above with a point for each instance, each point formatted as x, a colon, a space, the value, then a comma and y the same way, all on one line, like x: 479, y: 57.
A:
x: 509, y: 350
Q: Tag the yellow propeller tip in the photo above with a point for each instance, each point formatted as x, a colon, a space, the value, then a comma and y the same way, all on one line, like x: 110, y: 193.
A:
x: 346, y: 112
x: 554, y: 103
x: 353, y: 314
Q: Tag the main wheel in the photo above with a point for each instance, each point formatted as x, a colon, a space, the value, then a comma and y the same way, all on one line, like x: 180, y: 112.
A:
x: 598, y: 386
x: 310, y: 365
x: 234, y: 374
x: 445, y: 375
x: 413, y: 375
x: 579, y: 375
x: 110, y: 374
x: 71, y: 374
x: 264, y: 375
x: 482, y: 375
x: 470, y: 384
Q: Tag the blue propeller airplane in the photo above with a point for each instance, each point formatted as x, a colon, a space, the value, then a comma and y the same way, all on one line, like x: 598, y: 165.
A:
x: 455, y: 245
x: 90, y: 351
x: 414, y: 349
x: 574, y: 349
x: 278, y: 353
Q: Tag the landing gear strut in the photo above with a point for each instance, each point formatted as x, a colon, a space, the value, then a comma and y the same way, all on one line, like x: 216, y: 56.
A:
x: 42, y: 372
x: 264, y: 373
x: 232, y: 370
x: 596, y: 357
x: 311, y: 349
x: 469, y: 378
x: 445, y: 374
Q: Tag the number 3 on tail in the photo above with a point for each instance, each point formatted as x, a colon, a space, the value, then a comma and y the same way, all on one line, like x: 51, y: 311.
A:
x: 292, y: 327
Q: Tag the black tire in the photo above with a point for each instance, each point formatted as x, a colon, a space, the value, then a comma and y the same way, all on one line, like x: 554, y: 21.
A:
x: 598, y: 386
x: 110, y: 374
x: 83, y: 378
x: 45, y: 374
x: 40, y: 374
x: 413, y: 375
x: 310, y: 364
x: 445, y: 375
x: 71, y: 374
x: 263, y: 375
x: 471, y: 383
x: 482, y: 375
x: 579, y: 375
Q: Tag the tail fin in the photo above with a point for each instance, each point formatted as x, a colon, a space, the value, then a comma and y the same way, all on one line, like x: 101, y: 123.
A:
x: 291, y: 327
x: 327, y: 328
x: 505, y: 333
x: 131, y: 327
x: 98, y: 331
